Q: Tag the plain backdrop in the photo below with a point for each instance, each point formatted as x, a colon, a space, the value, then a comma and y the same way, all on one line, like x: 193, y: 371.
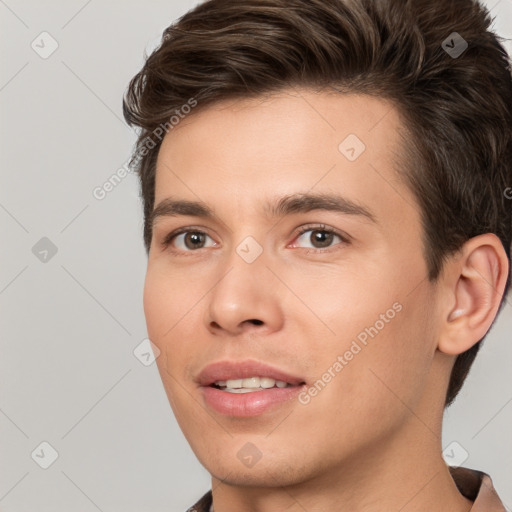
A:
x: 72, y: 272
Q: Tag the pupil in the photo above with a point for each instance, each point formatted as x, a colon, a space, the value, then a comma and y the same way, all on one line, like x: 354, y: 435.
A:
x: 321, y: 237
x: 193, y: 240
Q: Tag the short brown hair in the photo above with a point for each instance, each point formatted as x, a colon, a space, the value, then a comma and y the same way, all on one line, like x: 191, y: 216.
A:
x: 456, y: 102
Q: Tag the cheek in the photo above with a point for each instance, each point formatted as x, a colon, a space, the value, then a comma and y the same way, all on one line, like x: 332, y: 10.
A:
x: 168, y: 308
x: 374, y: 392
x: 156, y: 303
x: 174, y: 305
x: 392, y: 368
x: 165, y: 313
x: 342, y: 309
x: 167, y: 301
x: 380, y: 347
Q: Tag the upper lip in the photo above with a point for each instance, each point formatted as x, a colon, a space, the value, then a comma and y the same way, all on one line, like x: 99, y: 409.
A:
x: 228, y: 370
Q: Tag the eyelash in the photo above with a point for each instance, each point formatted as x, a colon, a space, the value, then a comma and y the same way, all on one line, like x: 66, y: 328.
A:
x: 166, y: 242
x: 323, y: 228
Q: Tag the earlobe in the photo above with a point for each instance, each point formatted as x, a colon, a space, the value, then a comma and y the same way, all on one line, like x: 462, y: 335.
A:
x: 479, y: 276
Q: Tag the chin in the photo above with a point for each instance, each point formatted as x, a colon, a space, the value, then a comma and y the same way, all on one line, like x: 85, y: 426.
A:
x: 269, y: 473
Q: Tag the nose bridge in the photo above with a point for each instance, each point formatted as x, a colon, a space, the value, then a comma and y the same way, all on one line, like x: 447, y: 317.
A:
x: 246, y: 289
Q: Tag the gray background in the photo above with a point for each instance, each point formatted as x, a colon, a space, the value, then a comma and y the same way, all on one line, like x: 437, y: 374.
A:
x: 69, y: 325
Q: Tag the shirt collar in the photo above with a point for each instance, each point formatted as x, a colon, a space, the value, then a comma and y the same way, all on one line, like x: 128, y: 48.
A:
x: 477, y: 487
x: 472, y: 484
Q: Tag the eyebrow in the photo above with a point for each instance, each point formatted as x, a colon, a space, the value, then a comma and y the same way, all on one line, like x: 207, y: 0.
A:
x: 295, y: 203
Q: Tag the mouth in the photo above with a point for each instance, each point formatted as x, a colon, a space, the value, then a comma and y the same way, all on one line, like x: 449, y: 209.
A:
x: 247, y: 388
x: 250, y: 384
x: 248, y: 374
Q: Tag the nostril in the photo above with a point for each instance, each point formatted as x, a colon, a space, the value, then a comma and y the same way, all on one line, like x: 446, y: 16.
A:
x: 255, y: 321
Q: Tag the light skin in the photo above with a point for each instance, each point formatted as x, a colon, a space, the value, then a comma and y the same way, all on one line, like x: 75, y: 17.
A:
x: 371, y: 439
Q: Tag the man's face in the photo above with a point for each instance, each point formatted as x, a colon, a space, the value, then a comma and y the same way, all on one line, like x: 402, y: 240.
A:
x: 349, y: 314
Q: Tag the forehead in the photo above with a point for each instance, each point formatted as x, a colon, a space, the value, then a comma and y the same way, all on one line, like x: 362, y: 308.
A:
x: 246, y: 153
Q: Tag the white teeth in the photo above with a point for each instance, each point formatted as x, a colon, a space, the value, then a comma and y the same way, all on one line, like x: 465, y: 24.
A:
x: 267, y: 382
x: 236, y: 383
x: 250, y: 384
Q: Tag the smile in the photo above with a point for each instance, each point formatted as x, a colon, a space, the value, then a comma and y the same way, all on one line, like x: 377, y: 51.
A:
x: 249, y: 385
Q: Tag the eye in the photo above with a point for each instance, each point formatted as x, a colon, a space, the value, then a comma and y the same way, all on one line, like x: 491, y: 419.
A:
x: 187, y: 241
x: 318, y: 237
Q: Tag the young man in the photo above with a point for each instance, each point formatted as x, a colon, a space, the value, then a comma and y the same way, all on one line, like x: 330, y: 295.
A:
x: 328, y: 219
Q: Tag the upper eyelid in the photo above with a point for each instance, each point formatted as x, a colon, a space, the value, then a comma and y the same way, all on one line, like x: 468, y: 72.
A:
x: 317, y: 227
x: 345, y: 237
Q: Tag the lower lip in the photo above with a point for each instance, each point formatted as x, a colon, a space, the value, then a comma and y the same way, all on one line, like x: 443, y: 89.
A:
x: 248, y: 404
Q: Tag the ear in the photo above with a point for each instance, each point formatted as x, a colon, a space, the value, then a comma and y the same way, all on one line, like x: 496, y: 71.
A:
x: 474, y: 281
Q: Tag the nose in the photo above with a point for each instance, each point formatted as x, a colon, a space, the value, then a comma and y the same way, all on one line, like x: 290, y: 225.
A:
x: 245, y: 299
